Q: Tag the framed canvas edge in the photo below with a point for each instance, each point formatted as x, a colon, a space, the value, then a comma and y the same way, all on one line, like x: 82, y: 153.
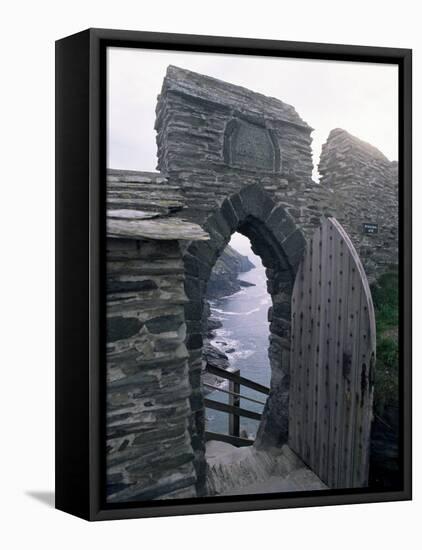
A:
x: 99, y: 40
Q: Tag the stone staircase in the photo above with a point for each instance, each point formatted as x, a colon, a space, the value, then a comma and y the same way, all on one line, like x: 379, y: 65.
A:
x: 246, y: 470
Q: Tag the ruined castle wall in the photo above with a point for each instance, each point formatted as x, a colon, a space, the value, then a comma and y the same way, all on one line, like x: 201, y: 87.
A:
x: 149, y: 452
x: 194, y: 115
x: 363, y: 185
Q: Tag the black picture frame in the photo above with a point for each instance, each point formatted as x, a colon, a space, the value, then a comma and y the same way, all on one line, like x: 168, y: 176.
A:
x: 80, y: 258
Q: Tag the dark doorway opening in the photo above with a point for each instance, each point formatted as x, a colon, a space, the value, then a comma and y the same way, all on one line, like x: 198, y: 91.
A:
x: 237, y: 336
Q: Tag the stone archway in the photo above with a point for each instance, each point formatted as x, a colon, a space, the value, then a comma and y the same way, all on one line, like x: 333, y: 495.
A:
x: 280, y: 244
x: 242, y: 162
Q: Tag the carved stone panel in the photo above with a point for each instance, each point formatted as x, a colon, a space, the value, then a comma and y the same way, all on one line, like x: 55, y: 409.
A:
x: 251, y: 146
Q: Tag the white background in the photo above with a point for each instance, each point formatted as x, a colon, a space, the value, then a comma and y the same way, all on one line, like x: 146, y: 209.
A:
x: 27, y: 273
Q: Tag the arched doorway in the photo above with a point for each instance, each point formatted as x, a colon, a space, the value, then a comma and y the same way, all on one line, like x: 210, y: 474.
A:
x: 280, y: 244
x: 236, y: 333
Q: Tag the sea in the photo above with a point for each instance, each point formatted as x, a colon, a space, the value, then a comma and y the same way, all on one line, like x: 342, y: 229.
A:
x: 244, y: 338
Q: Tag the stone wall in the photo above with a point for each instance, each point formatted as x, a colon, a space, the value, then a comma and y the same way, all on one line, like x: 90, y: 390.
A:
x: 195, y: 114
x: 149, y: 451
x: 363, y: 185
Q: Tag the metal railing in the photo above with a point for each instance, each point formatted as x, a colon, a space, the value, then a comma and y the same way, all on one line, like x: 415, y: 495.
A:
x: 233, y: 408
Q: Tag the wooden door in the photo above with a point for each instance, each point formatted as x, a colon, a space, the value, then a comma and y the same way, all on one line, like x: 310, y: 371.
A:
x: 332, y: 360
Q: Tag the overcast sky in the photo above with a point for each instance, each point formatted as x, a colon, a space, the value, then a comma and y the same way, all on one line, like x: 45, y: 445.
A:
x: 362, y: 98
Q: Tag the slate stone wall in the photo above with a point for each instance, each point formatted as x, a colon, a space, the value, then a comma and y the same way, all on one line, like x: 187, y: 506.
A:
x: 363, y: 185
x: 195, y: 119
x: 358, y: 185
x: 149, y: 452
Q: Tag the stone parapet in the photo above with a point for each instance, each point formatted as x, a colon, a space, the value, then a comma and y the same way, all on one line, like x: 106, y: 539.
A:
x: 363, y: 185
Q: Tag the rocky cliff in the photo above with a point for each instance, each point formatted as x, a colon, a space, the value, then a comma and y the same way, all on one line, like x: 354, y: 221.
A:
x: 223, y: 282
x: 224, y: 277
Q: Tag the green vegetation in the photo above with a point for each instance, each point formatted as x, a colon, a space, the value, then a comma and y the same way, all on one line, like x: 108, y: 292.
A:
x: 385, y: 294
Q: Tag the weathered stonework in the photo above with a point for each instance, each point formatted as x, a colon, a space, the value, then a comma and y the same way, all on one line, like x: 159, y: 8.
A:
x: 148, y: 443
x: 194, y: 115
x: 364, y: 188
x: 149, y: 451
x: 165, y: 233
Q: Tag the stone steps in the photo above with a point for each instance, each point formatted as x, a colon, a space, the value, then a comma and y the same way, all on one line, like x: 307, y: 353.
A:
x: 246, y: 470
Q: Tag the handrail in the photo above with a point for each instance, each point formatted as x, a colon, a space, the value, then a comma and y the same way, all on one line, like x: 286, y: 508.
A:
x: 221, y: 373
x: 217, y: 388
x: 238, y: 411
x: 233, y: 408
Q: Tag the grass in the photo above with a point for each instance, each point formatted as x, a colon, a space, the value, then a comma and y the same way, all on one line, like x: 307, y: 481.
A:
x: 385, y: 294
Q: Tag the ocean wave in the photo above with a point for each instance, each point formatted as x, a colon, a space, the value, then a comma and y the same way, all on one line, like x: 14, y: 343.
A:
x: 223, y: 332
x: 221, y: 299
x: 241, y: 354
x: 219, y: 317
x: 223, y: 342
x: 222, y: 312
x: 216, y: 310
x: 228, y: 343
